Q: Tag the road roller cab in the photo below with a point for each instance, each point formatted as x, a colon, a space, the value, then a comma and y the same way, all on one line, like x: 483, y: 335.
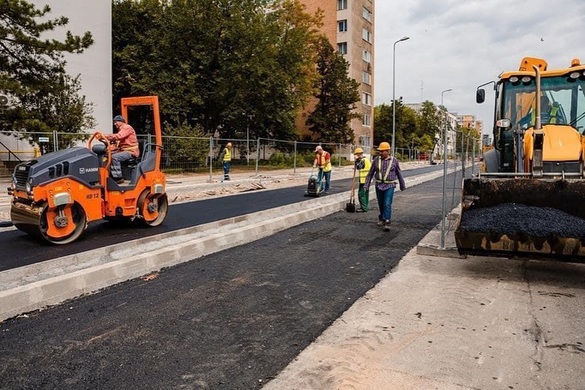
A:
x: 57, y: 195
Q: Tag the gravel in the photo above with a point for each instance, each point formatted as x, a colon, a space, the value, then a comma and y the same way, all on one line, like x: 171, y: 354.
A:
x: 520, y: 219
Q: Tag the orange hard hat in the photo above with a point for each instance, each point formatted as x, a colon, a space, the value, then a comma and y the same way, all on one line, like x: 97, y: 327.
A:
x: 384, y: 146
x: 358, y: 151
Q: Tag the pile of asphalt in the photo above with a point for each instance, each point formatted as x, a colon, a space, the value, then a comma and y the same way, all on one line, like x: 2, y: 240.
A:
x: 520, y: 219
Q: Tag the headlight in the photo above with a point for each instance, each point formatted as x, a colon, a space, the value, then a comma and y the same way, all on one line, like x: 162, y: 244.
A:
x: 29, y: 187
x: 14, y: 181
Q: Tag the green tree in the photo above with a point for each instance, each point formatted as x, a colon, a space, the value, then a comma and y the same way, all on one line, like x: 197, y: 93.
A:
x: 382, y: 124
x: 407, y: 127
x: 226, y: 66
x: 43, y: 97
x: 337, y: 94
x: 432, y: 121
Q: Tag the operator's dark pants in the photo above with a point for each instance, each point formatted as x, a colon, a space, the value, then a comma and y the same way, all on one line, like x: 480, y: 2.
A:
x: 116, y: 166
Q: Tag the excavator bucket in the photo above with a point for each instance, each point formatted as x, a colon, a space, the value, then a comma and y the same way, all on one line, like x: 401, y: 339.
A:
x: 522, y: 217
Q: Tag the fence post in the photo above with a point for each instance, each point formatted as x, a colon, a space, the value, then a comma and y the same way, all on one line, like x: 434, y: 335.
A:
x: 210, y: 159
x: 473, y: 158
x: 257, y: 154
x: 295, y: 159
x: 339, y: 155
x: 55, y: 140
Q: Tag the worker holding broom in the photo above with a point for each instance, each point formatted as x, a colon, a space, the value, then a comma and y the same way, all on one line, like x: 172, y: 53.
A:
x: 362, y: 165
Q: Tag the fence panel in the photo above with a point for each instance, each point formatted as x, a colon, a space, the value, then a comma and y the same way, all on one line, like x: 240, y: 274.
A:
x: 192, y: 154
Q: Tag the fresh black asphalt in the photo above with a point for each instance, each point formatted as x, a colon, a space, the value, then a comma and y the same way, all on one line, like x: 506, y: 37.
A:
x: 19, y: 249
x: 230, y: 320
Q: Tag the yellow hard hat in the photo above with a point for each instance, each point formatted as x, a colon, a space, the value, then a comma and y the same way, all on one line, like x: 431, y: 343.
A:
x: 384, y: 146
x: 229, y: 144
x: 358, y: 151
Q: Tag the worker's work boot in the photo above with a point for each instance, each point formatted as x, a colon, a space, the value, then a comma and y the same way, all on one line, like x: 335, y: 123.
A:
x: 387, y: 226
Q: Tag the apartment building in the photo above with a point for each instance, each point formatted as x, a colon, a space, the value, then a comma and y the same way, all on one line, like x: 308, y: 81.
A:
x: 349, y: 25
x: 470, y: 122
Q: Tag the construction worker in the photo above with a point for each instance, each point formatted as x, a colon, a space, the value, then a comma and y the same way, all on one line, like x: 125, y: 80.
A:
x: 124, y: 144
x: 385, y: 170
x: 549, y: 113
x: 226, y: 159
x: 323, y: 161
x: 362, y: 165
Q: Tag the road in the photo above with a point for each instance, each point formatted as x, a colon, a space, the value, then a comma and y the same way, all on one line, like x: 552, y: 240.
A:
x: 19, y: 249
x: 230, y: 320
x: 330, y: 304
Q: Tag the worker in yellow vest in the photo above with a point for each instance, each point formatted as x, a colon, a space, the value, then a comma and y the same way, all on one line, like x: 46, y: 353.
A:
x: 323, y: 162
x: 386, y: 173
x: 549, y: 114
x: 362, y: 165
x: 226, y: 159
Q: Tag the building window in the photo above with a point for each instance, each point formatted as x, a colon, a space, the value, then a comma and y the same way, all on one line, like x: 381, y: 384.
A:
x: 367, y: 14
x: 366, y: 35
x: 367, y: 120
x: 367, y: 56
x: 366, y: 78
x: 341, y: 4
x: 342, y: 47
x: 342, y: 25
x: 366, y: 99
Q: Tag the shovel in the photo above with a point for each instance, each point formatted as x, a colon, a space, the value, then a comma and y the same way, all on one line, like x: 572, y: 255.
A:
x: 350, y: 206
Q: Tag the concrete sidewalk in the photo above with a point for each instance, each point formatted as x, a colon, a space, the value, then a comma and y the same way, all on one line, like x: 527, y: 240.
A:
x: 447, y: 323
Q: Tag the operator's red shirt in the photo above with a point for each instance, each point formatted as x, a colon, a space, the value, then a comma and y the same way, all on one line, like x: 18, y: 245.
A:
x: 127, y: 140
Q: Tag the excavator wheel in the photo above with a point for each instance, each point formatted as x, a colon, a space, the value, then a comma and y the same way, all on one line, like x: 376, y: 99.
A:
x: 62, y: 225
x: 152, y: 209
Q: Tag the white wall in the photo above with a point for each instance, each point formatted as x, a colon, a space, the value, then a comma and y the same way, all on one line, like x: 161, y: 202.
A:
x: 95, y: 63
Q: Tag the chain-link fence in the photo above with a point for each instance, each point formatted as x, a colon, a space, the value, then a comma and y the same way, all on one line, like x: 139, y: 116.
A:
x: 199, y: 154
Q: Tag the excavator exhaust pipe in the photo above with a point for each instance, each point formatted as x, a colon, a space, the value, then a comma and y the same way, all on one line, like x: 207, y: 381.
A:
x: 514, y: 217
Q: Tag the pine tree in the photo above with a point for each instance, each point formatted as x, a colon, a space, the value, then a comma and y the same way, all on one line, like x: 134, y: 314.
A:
x: 43, y: 97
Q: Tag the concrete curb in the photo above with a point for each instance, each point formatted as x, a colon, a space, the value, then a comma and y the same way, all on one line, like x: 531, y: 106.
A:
x: 34, y: 287
x: 115, y: 266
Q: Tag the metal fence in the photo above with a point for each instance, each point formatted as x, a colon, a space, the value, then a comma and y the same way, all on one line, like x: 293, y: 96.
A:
x: 197, y: 154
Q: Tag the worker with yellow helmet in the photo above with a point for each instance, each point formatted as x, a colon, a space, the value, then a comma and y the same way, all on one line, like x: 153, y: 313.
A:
x: 226, y: 159
x: 362, y: 165
x: 386, y: 172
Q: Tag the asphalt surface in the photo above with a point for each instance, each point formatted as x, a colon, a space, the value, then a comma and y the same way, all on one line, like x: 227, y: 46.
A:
x: 231, y: 320
x: 19, y: 249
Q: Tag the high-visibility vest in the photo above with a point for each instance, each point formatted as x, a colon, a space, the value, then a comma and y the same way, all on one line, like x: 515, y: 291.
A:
x: 364, y: 171
x: 227, y: 155
x: 323, y: 162
x: 552, y: 115
x: 382, y: 177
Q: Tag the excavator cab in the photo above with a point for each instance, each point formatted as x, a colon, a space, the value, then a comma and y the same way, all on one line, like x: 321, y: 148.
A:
x: 528, y: 200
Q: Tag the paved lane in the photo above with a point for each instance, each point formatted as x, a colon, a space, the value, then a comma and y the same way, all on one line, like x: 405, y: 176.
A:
x: 231, y: 320
x: 18, y: 249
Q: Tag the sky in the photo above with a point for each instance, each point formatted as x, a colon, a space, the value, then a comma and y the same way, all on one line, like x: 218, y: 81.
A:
x: 461, y: 44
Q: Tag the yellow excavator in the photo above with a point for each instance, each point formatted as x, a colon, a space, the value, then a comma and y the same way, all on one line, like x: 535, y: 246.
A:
x: 529, y: 198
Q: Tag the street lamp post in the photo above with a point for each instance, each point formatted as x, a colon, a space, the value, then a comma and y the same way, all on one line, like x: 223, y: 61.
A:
x: 444, y: 206
x: 394, y: 93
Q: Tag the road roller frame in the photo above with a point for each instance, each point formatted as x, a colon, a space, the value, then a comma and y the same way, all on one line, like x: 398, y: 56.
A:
x: 57, y: 195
